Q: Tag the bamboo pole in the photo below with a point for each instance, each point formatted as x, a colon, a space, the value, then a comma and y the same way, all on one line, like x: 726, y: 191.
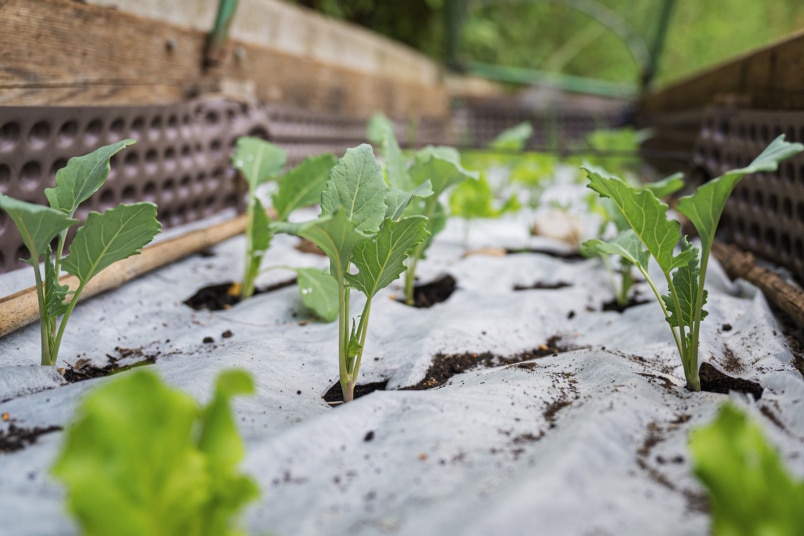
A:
x: 738, y: 263
x: 21, y: 309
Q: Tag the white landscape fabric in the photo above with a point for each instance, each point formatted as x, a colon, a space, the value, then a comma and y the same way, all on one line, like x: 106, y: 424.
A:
x: 588, y: 441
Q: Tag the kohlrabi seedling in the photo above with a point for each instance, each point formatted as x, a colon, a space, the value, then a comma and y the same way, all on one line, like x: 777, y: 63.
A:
x: 652, y: 234
x: 144, y: 458
x: 417, y: 189
x: 615, y: 149
x: 261, y: 161
x: 102, y: 240
x: 606, y: 208
x: 361, y: 224
x: 475, y: 199
x: 750, y: 490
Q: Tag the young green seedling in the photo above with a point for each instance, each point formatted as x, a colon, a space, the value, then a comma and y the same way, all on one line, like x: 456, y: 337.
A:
x: 611, y: 215
x: 261, y: 161
x: 360, y: 224
x: 750, y: 490
x: 615, y: 149
x: 144, y: 459
x: 415, y: 190
x: 102, y: 240
x: 652, y: 234
x: 475, y: 199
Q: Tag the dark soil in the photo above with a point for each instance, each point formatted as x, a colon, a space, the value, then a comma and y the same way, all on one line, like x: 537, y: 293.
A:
x: 793, y: 332
x: 225, y: 295
x: 17, y: 438
x: 334, y: 396
x: 543, y: 286
x: 445, y: 366
x: 696, y: 501
x: 308, y: 246
x: 429, y: 294
x: 633, y: 301
x: 714, y: 381
x: 572, y: 256
x: 126, y: 358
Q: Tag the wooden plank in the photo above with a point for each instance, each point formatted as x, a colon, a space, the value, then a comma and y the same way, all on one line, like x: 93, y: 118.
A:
x: 71, y: 53
x: 768, y: 78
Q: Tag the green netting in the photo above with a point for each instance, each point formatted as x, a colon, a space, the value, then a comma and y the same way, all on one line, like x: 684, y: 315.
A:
x: 631, y: 42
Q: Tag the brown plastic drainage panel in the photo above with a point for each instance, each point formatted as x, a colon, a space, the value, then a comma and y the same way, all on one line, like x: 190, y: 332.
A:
x: 765, y: 214
x: 181, y: 160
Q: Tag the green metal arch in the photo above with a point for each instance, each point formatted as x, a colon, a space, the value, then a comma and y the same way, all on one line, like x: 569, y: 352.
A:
x: 606, y: 17
x: 644, y: 56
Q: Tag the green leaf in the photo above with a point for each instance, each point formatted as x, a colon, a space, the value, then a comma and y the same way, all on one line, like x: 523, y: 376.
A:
x: 106, y: 238
x: 224, y: 450
x: 261, y: 235
x: 357, y: 190
x: 378, y: 128
x: 82, y: 177
x: 646, y: 215
x: 302, y: 186
x: 38, y: 225
x: 380, y: 261
x: 685, y: 289
x: 55, y: 293
x: 706, y: 205
x: 441, y: 170
x: 353, y: 348
x: 395, y: 166
x: 450, y: 154
x: 219, y: 438
x: 398, y: 200
x: 532, y: 169
x: 120, y: 481
x: 667, y: 186
x: 333, y: 233
x: 259, y: 160
x: 319, y: 292
x: 474, y: 199
x: 750, y: 490
x: 514, y: 138
x: 626, y: 245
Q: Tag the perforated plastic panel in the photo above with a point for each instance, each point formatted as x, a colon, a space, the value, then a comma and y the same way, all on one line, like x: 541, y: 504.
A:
x: 765, y: 214
x: 181, y: 160
x: 478, y: 121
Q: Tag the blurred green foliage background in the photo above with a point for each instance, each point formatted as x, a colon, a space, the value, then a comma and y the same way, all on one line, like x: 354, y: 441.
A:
x: 555, y: 37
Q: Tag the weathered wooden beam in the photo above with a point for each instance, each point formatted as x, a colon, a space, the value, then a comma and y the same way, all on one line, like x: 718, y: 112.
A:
x: 72, y: 53
x: 766, y: 78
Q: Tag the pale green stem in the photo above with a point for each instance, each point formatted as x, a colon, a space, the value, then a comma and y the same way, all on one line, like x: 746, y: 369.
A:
x: 661, y: 304
x: 277, y: 267
x: 248, y: 277
x: 54, y: 349
x: 689, y: 356
x: 612, y: 278
x: 693, y: 379
x: 56, y: 270
x: 362, y: 330
x: 410, y: 274
x: 347, y: 386
x: 626, y: 281
x: 44, y: 320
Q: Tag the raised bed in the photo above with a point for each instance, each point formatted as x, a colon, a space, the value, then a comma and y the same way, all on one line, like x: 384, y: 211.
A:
x: 564, y: 417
